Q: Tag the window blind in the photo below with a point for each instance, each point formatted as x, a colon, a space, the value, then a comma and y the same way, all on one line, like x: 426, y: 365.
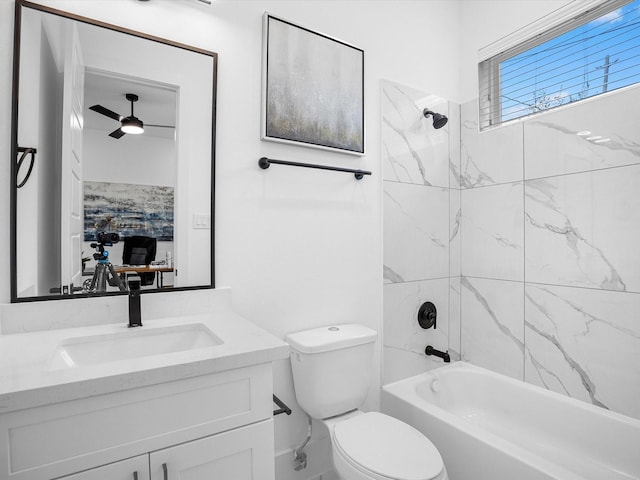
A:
x: 593, y: 53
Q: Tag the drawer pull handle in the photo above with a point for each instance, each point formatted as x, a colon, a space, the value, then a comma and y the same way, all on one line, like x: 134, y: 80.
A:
x: 135, y: 475
x: 164, y: 470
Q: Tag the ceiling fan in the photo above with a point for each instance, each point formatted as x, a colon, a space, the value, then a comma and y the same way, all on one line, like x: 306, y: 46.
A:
x: 131, y: 124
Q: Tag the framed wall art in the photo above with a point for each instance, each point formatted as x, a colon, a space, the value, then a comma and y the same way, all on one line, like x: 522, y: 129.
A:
x: 312, y: 88
x: 128, y: 210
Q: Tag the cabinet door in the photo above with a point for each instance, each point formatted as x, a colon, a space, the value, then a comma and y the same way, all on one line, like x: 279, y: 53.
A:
x: 136, y: 468
x: 245, y: 453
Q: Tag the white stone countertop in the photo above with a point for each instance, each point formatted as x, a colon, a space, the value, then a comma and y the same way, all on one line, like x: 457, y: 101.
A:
x: 28, y: 378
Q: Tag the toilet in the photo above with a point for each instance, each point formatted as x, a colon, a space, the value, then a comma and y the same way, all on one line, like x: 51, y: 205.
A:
x: 332, y: 368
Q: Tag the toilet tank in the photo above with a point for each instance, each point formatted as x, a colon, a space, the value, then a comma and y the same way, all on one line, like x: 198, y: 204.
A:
x: 332, y: 368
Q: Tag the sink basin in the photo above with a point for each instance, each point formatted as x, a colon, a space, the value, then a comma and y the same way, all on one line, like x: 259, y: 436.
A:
x: 133, y: 343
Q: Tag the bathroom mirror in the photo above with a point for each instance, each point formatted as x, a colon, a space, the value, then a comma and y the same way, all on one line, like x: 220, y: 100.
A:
x: 113, y: 144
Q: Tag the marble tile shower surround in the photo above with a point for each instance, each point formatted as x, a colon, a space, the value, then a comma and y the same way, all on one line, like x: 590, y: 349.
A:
x: 416, y: 237
x: 412, y: 150
x: 492, y: 158
x: 421, y: 207
x: 584, y: 229
x: 580, y: 342
x: 455, y: 317
x: 573, y: 139
x: 455, y: 233
x: 543, y: 228
x: 551, y: 274
x: 404, y: 339
x: 584, y: 343
x: 454, y: 145
x: 492, y: 232
x: 493, y: 336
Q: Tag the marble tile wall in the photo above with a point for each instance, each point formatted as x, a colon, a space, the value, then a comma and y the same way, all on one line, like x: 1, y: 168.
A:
x: 421, y: 208
x: 550, y: 264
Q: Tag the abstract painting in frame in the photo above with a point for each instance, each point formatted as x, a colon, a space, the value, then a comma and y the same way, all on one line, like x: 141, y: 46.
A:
x: 313, y: 88
x: 128, y: 209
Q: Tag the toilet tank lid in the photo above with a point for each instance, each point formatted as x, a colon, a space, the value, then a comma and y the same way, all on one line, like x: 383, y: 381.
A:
x: 329, y: 338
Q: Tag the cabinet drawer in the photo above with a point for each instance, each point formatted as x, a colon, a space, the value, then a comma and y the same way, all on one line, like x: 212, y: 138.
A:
x: 56, y: 440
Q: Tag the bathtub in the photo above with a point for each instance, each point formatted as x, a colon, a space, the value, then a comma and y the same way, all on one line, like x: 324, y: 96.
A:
x: 491, y: 427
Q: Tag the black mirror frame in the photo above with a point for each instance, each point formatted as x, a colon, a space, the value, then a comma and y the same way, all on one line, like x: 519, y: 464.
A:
x: 19, y: 5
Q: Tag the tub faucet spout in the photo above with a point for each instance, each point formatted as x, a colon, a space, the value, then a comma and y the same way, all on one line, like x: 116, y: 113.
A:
x: 443, y: 355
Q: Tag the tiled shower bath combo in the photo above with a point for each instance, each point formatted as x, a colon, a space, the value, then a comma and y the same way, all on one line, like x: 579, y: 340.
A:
x: 524, y: 236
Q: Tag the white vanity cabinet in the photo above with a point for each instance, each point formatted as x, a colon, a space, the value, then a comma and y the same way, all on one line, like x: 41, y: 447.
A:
x: 244, y: 453
x: 217, y: 425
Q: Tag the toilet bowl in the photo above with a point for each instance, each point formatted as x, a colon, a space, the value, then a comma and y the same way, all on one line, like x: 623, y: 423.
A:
x: 332, y: 369
x: 375, y: 446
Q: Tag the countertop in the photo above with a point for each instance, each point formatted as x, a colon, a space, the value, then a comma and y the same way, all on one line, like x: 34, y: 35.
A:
x: 27, y: 378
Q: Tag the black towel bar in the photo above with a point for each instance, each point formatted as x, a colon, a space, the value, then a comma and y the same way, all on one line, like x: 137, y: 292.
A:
x: 265, y: 162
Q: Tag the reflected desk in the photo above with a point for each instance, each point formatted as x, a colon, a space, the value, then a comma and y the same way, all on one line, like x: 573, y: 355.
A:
x: 159, y: 269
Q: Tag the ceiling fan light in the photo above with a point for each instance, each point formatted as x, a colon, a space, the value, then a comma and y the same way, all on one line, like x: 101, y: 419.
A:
x: 132, y: 125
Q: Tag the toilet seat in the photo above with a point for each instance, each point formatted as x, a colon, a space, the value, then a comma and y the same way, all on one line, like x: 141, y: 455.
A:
x: 383, y: 447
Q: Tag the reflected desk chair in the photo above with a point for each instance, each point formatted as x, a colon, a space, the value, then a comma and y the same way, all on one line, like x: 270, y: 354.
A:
x: 139, y: 250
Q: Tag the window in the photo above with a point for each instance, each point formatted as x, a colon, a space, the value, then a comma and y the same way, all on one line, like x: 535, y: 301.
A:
x: 592, y: 53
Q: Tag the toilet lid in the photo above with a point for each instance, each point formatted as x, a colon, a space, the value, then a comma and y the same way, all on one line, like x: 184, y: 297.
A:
x: 388, y: 447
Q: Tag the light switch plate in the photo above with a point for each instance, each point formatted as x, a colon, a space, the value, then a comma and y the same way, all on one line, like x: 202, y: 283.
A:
x: 202, y: 221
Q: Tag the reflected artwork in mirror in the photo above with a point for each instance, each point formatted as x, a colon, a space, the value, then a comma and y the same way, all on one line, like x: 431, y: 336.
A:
x: 113, y: 146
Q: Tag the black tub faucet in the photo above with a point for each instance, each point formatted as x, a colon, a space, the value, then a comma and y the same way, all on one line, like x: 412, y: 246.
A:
x: 443, y: 355
x: 135, y: 317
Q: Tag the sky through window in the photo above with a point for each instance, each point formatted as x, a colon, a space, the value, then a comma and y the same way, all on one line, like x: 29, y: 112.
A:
x: 594, y: 58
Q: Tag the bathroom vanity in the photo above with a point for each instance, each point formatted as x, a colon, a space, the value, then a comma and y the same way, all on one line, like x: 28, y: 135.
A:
x: 82, y: 396
x: 100, y: 402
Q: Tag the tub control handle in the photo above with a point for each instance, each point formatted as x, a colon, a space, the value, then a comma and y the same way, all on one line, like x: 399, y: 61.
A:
x: 427, y: 315
x: 443, y: 355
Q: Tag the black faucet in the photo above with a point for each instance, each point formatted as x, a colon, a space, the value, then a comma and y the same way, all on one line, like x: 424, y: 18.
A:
x: 443, y: 355
x: 135, y: 317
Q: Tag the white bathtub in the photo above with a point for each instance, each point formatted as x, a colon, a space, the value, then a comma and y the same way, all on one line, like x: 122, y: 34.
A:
x: 491, y: 427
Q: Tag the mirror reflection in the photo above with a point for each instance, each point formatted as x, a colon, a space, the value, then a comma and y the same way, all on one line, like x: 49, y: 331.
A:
x: 128, y: 182
x: 122, y: 129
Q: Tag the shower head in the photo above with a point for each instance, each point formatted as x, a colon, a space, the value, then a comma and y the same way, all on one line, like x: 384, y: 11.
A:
x: 439, y: 120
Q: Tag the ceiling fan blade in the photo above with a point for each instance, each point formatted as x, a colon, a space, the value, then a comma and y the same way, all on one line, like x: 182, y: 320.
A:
x: 161, y: 126
x: 117, y: 133
x: 106, y: 111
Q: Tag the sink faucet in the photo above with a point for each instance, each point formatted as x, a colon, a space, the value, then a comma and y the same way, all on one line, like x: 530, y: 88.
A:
x: 135, y: 317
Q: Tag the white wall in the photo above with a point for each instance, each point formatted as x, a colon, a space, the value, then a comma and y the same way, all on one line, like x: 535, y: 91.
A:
x: 43, y: 81
x: 144, y: 160
x: 300, y: 248
x: 49, y: 168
